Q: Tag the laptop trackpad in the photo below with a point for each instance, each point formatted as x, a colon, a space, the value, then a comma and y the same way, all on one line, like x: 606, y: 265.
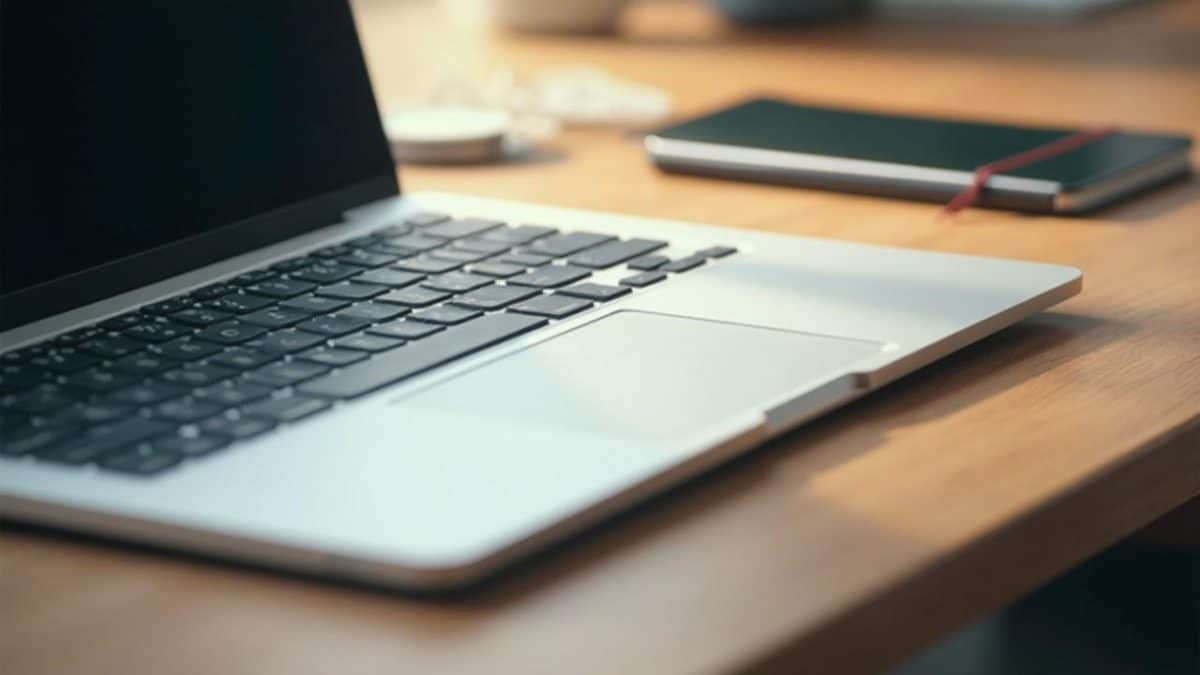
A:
x: 646, y: 376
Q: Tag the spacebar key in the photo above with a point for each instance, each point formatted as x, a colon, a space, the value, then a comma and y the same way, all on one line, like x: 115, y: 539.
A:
x: 421, y: 355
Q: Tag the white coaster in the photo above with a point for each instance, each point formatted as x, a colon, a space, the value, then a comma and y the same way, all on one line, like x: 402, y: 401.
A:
x: 447, y: 134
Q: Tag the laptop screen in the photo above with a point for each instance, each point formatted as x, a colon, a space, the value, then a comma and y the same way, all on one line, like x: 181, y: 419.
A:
x: 135, y: 127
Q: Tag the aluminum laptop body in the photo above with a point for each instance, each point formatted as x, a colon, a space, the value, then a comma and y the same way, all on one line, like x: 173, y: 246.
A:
x: 440, y: 475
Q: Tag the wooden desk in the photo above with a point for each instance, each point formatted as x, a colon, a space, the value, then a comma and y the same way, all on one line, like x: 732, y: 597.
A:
x: 848, y: 544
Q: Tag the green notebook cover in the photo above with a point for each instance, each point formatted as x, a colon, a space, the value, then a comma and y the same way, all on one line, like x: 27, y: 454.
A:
x: 935, y: 143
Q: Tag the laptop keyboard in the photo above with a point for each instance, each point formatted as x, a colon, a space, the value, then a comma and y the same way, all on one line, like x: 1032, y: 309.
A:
x: 145, y: 391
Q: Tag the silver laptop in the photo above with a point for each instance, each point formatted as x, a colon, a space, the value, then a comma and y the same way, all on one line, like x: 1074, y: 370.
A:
x: 226, y: 330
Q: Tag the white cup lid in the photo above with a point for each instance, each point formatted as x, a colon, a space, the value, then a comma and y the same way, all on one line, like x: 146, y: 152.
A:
x: 451, y: 124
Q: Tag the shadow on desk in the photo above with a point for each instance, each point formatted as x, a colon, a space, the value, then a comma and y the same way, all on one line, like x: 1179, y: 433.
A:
x: 1152, y: 204
x: 1129, y: 611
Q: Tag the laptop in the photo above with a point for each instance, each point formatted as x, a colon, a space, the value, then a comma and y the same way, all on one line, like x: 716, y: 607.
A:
x: 227, y: 330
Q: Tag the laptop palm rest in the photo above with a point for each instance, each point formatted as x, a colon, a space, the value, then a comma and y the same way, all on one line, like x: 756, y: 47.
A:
x: 647, y: 376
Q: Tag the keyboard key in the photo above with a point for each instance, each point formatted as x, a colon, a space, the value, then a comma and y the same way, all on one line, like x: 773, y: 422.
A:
x: 185, y: 349
x: 198, y: 375
x: 405, y: 330
x: 332, y: 357
x: 112, y: 347
x: 421, y: 356
x: 426, y: 218
x: 123, y: 321
x: 99, y: 380
x: 413, y: 297
x: 87, y: 414
x: 326, y: 273
x: 157, y: 331
x: 17, y: 376
x: 458, y: 256
x: 552, y: 306
x: 648, y: 262
x: 643, y: 279
x: 334, y: 325
x: 607, y: 255
x: 277, y: 317
x: 374, y: 311
x: 415, y: 242
x: 394, y: 251
x: 515, y: 236
x: 480, y: 246
x: 190, y: 446
x: 239, y: 303
x: 392, y: 278
x: 34, y: 439
x: 367, y: 343
x: 64, y: 360
x: 352, y: 291
x: 496, y: 269
x: 287, y: 341
x: 550, y: 276
x: 253, y: 277
x: 288, y: 373
x: 230, y: 333
x: 200, y: 316
x: 81, y: 449
x: 147, y: 393
x: 716, y: 251
x: 13, y: 358
x: 144, y: 364
x: 558, y: 245
x: 313, y: 304
x: 491, y: 298
x: 597, y: 292
x: 185, y: 410
x: 236, y: 429
x: 444, y: 314
x: 334, y: 251
x: 428, y: 265
x: 213, y: 291
x: 526, y: 259
x: 282, y: 288
x: 364, y: 240
x: 21, y: 355
x: 456, y: 282
x: 43, y: 398
x: 463, y: 227
x: 169, y: 306
x: 78, y: 335
x: 397, y: 230
x: 244, y: 358
x: 233, y: 393
x: 10, y: 420
x: 366, y: 258
x: 139, y: 461
x: 287, y: 409
x: 683, y: 264
x: 293, y: 264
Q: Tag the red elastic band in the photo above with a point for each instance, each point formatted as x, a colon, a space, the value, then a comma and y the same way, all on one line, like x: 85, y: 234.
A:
x: 970, y: 194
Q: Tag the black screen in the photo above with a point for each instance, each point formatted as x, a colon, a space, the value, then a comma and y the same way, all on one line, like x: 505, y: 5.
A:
x: 129, y: 125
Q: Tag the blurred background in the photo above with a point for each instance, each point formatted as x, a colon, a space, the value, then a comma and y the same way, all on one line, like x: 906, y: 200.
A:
x: 1070, y: 63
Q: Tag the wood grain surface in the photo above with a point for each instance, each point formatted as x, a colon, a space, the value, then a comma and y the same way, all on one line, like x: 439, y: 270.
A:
x: 844, y: 546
